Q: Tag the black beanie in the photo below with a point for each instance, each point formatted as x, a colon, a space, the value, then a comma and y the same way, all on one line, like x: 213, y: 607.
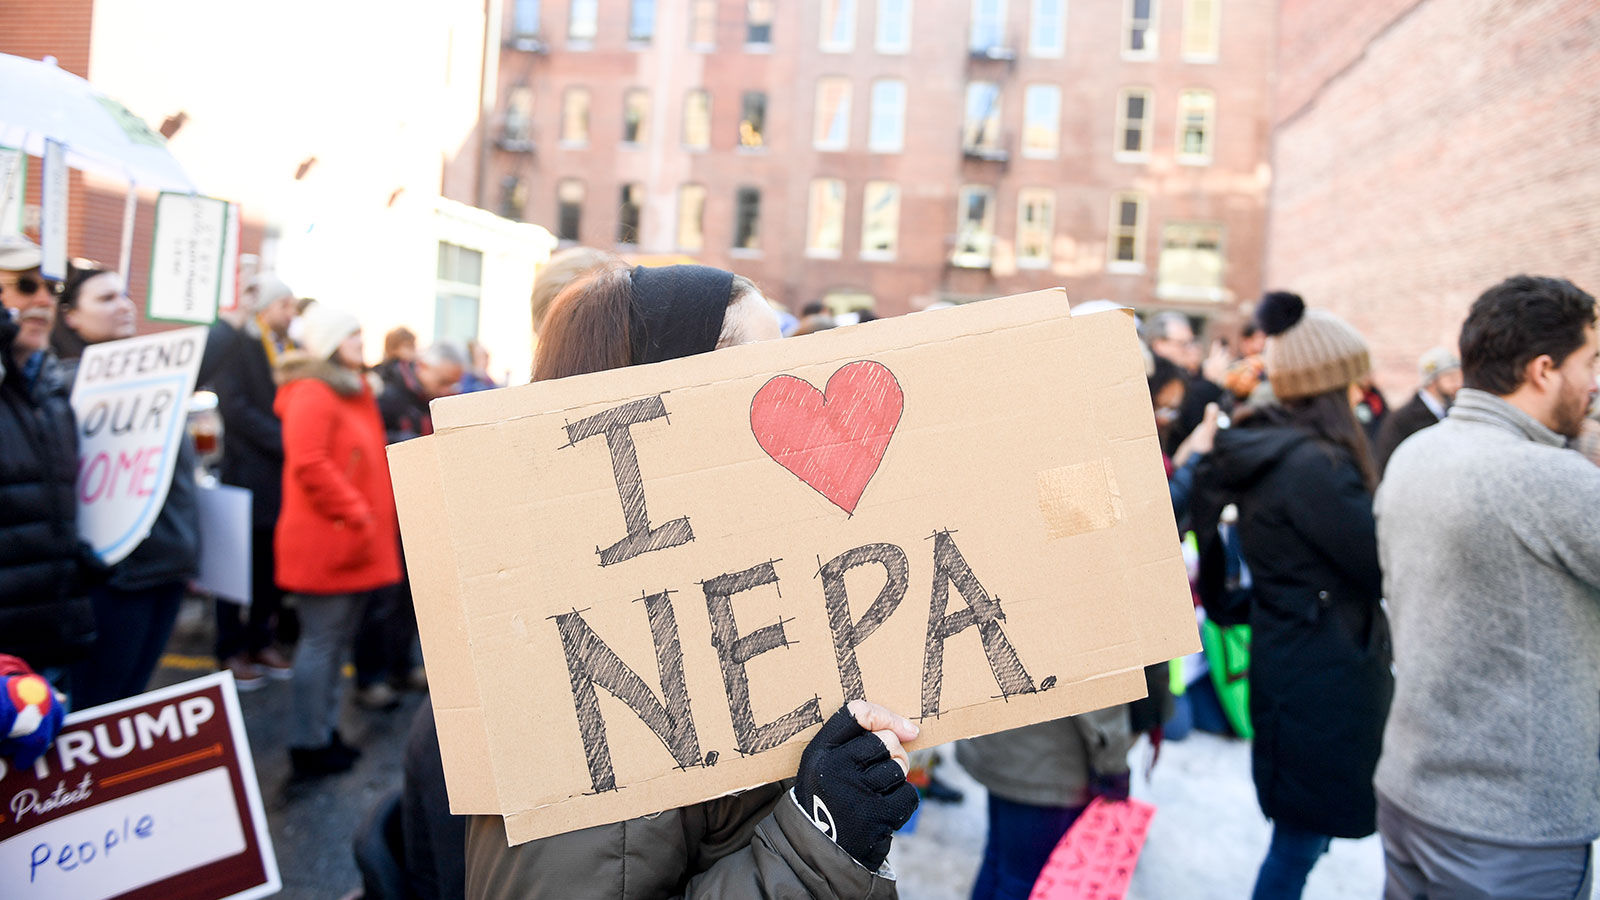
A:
x: 677, y: 311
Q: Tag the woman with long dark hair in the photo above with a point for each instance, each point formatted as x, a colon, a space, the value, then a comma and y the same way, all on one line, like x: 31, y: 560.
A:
x: 1302, y: 478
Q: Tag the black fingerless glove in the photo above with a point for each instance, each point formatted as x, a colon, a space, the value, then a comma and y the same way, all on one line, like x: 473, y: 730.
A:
x: 853, y: 790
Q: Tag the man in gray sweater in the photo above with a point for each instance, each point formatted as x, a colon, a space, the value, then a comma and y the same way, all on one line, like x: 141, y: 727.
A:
x: 1489, y: 536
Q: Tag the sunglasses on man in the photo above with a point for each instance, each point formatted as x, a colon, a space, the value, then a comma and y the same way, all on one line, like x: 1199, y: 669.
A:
x: 27, y: 284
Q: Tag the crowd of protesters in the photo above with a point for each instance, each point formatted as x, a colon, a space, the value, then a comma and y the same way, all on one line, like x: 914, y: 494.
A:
x: 1418, y: 590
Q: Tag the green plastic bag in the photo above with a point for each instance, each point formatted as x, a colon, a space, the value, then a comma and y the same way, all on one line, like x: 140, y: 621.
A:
x: 1228, y: 654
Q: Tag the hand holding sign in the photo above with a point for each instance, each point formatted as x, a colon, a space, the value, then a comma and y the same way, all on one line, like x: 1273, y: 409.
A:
x: 852, y: 780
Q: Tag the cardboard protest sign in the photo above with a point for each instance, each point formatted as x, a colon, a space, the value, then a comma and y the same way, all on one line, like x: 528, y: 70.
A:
x: 642, y: 588
x: 130, y: 398
x: 188, y: 259
x: 150, y: 797
x: 1096, y: 857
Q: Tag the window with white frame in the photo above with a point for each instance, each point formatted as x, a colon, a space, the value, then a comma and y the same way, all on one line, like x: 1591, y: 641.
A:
x: 692, y: 217
x: 894, y: 26
x: 1047, y: 29
x: 630, y: 209
x: 582, y: 20
x: 838, y: 26
x: 697, y: 120
x: 1133, y: 124
x: 642, y: 23
x: 1041, y: 121
x: 758, y: 23
x: 1036, y: 225
x: 575, y: 117
x: 1191, y: 266
x: 1200, y: 30
x: 458, y: 293
x: 880, y: 220
x: 974, y: 227
x: 703, y: 24
x: 1139, y: 33
x: 636, y: 116
x: 747, y: 220
x: 888, y: 130
x: 525, y: 18
x: 832, y: 131
x: 988, y: 26
x: 1197, y: 113
x: 981, y: 131
x: 569, y: 209
x: 825, y: 220
x: 1126, y: 238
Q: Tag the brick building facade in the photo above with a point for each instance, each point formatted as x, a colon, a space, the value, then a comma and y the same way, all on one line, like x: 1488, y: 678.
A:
x: 900, y: 152
x: 1427, y: 149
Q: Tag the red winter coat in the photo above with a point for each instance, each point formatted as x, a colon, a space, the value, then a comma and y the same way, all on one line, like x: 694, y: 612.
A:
x: 337, y: 532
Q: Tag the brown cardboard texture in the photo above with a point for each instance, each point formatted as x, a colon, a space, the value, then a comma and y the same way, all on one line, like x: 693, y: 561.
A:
x: 643, y: 588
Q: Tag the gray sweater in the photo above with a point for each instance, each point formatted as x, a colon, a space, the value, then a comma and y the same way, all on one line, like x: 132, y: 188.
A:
x: 1489, y: 535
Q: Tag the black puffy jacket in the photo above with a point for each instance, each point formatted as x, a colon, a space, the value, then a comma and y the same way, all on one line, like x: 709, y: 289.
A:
x: 45, y: 617
x: 1320, y: 681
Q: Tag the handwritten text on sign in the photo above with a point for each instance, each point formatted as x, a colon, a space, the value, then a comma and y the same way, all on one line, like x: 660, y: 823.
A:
x: 154, y: 794
x: 188, y: 258
x: 131, y: 399
x: 648, y: 586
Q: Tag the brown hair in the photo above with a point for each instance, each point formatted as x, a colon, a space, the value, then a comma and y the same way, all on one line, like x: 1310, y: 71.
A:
x: 1330, y: 419
x: 396, y: 340
x: 586, y: 327
x: 557, y: 273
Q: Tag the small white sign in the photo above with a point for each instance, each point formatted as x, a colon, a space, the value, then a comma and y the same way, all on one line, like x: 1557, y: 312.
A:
x: 188, y: 259
x: 53, y: 215
x: 225, y: 553
x: 131, y: 398
x: 13, y: 189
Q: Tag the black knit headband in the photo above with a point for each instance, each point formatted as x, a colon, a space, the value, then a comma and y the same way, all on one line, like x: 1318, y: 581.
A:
x: 677, y: 311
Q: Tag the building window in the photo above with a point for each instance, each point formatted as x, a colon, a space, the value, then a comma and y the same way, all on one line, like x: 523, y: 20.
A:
x: 642, y: 23
x: 1200, y: 28
x: 636, y: 116
x: 1191, y: 262
x: 1197, y: 111
x: 518, y: 132
x: 1041, y: 126
x: 981, y: 132
x: 880, y: 220
x: 888, y: 131
x: 457, y: 293
x: 697, y: 120
x: 575, y: 117
x: 1133, y: 124
x: 758, y: 23
x: 747, y: 219
x: 525, y: 19
x: 974, y: 227
x: 1139, y: 37
x: 1036, y: 226
x: 1127, y: 233
x: 752, y: 119
x: 825, y: 222
x: 582, y: 20
x: 894, y: 26
x: 832, y: 131
x: 513, y: 198
x: 838, y: 26
x: 703, y: 24
x: 569, y: 209
x: 988, y: 26
x: 1047, y: 31
x: 629, y: 209
x: 692, y: 217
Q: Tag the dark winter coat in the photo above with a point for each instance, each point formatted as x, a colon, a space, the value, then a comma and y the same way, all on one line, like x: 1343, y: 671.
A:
x: 404, y: 408
x: 252, y: 441
x: 45, y: 616
x: 1320, y: 682
x: 754, y: 844
x: 1401, y: 424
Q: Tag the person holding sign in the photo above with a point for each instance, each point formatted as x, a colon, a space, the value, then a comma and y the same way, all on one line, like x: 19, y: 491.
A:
x: 337, y: 536
x: 1320, y: 680
x: 826, y: 837
x: 137, y: 608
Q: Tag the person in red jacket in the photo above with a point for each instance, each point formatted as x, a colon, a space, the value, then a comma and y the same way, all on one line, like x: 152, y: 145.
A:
x: 337, y: 536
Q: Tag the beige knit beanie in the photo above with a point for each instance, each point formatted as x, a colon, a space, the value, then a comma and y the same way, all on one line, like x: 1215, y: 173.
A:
x: 1309, y: 352
x: 324, y: 328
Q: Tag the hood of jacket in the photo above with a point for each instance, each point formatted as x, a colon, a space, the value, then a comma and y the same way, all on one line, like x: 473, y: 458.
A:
x: 297, y: 367
x: 1243, y: 456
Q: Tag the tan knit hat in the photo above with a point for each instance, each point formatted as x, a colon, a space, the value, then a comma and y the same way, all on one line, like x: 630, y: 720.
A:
x: 1309, y: 352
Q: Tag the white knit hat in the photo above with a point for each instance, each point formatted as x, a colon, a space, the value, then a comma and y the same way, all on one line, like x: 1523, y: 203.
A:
x: 323, y: 328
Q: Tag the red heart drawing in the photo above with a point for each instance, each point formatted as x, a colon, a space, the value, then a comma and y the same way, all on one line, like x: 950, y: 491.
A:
x: 832, y: 440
